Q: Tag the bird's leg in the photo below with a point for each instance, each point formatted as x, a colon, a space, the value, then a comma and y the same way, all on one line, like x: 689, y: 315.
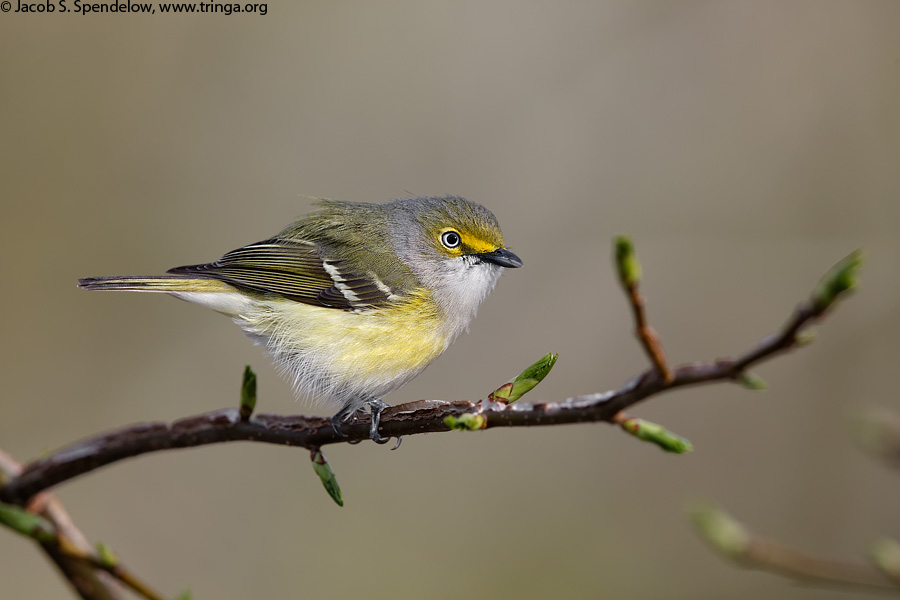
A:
x: 376, y: 407
x: 345, y: 414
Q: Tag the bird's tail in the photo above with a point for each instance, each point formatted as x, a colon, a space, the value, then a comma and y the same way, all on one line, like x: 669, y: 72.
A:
x: 161, y: 283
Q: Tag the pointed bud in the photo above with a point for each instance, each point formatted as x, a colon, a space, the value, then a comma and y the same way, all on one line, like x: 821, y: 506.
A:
x: 751, y: 381
x: 106, y: 555
x: 248, y: 393
x: 525, y: 381
x: 326, y: 474
x: 840, y: 278
x: 804, y: 338
x: 656, y: 434
x: 627, y: 265
x: 719, y: 529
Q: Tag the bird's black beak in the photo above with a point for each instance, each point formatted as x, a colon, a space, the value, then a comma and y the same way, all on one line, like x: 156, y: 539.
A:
x: 502, y: 257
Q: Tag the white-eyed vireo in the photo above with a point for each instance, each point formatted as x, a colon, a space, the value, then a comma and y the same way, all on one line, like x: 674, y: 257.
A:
x: 355, y: 299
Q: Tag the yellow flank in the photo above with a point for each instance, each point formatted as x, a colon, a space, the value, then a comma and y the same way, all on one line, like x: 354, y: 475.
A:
x: 369, y: 351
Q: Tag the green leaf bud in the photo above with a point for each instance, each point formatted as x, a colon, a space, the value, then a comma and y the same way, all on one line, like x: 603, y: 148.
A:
x: 656, y: 434
x: 248, y: 393
x: 627, y: 265
x: 326, y: 474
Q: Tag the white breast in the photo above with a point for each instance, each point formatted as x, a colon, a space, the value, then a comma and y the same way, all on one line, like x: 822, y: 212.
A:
x: 461, y: 285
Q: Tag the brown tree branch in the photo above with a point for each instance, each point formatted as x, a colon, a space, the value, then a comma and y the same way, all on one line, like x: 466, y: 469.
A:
x: 424, y: 416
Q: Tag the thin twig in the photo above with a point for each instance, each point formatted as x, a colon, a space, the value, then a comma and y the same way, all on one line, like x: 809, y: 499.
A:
x: 731, y: 539
x: 121, y: 573
x: 629, y: 273
x: 85, y: 580
x: 771, y: 555
x: 72, y: 553
x: 646, y: 334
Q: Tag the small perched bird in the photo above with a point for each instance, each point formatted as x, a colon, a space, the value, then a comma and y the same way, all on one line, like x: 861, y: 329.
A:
x: 355, y: 299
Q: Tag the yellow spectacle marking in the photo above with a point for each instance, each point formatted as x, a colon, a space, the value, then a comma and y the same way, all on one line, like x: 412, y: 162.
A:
x: 470, y: 242
x: 478, y: 245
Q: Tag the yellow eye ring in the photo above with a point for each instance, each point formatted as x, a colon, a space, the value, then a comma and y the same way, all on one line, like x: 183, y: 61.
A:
x: 451, y: 239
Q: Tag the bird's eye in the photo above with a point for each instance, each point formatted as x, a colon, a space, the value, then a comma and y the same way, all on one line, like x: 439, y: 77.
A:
x: 450, y: 239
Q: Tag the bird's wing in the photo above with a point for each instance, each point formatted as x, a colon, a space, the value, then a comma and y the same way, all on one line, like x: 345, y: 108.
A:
x: 295, y: 270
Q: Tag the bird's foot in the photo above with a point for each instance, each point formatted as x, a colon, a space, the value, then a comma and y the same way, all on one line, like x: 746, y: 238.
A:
x: 376, y: 407
x: 340, y: 417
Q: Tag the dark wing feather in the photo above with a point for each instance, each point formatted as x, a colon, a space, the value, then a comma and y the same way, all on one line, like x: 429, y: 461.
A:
x: 295, y: 270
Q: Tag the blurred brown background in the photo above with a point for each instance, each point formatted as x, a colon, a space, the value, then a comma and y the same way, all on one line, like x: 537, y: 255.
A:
x: 746, y: 146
